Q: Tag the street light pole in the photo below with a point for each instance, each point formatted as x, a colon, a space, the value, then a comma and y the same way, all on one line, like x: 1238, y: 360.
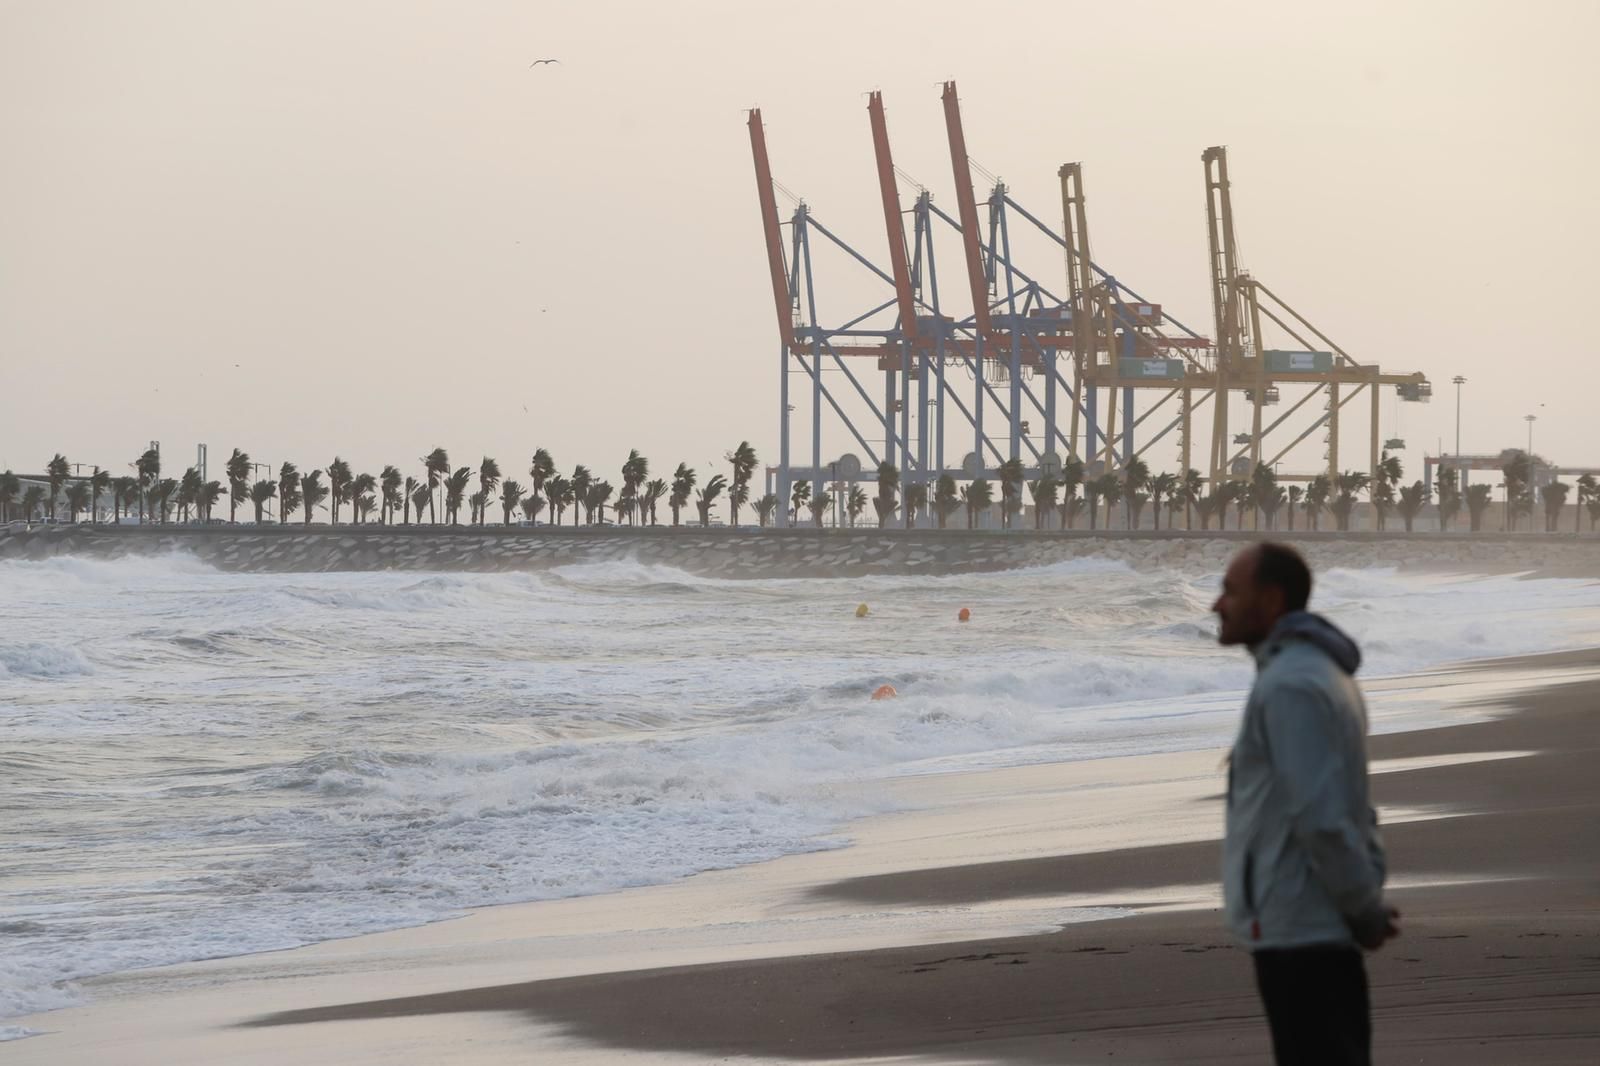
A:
x: 1459, y: 381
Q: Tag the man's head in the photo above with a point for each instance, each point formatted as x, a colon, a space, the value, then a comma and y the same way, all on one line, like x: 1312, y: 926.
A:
x: 1263, y: 583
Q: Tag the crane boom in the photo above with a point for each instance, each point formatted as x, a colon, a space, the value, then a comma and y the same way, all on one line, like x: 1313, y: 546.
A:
x: 894, y: 225
x: 782, y: 301
x: 968, y: 212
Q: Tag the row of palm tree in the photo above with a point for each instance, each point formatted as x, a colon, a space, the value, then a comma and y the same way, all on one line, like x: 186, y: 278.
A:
x: 388, y: 495
x: 391, y: 495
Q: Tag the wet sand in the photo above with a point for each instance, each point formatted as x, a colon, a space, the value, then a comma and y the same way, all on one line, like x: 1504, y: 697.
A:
x: 1490, y: 827
x: 1499, y: 962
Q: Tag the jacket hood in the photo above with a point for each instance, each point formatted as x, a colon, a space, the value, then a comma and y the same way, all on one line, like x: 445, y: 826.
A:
x: 1316, y: 630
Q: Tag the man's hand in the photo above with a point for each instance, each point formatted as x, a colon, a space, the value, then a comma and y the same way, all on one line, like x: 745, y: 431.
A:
x: 1372, y: 935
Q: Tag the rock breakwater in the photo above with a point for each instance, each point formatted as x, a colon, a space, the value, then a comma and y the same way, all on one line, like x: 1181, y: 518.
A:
x: 757, y: 553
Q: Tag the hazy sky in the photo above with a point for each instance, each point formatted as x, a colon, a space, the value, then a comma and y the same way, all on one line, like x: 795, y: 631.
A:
x: 308, y: 228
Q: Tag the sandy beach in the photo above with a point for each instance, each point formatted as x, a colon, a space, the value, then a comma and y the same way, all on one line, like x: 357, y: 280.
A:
x: 937, y: 935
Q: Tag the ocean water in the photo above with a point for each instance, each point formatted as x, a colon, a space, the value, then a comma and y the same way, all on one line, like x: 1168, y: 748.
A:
x: 199, y: 764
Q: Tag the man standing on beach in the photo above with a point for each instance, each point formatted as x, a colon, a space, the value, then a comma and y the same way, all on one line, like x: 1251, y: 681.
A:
x: 1303, y: 867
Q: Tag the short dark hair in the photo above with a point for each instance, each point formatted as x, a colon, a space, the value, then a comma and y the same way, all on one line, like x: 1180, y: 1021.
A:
x: 1280, y: 565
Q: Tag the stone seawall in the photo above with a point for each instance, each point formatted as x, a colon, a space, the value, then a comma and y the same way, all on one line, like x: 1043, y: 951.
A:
x: 751, y: 553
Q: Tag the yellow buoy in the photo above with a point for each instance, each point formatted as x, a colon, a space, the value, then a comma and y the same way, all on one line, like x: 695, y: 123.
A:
x: 884, y: 692
x: 861, y: 610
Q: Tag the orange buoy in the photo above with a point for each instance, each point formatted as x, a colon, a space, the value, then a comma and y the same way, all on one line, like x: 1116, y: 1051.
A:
x: 885, y: 692
x: 964, y: 616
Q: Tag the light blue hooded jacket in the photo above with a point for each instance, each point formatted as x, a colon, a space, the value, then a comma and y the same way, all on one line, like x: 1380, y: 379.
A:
x: 1302, y: 862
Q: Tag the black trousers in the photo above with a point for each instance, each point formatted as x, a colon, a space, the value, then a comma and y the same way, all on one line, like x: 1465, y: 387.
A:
x: 1316, y: 1001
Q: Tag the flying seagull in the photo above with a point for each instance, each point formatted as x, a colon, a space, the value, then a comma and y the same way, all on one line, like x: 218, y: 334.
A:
x: 536, y: 62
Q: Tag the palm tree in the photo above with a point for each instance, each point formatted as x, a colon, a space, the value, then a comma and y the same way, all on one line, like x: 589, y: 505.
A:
x: 888, y: 485
x: 1381, y: 493
x: 1012, y: 475
x: 708, y: 495
x: 945, y: 500
x: 1191, y: 490
x: 1108, y: 487
x: 57, y: 470
x: 163, y: 496
x: 10, y: 489
x: 558, y: 491
x: 474, y: 506
x: 1346, y: 486
x: 1449, y: 498
x: 855, y: 503
x: 314, y: 491
x: 1043, y: 492
x: 510, y: 495
x: 623, y: 506
x: 1389, y: 469
x: 1262, y: 483
x: 916, y: 501
x: 207, y: 498
x: 455, y: 493
x: 488, y: 481
x: 421, y: 499
x: 31, y: 500
x: 1593, y: 507
x: 365, y: 504
x: 1163, y: 486
x: 1175, y: 507
x: 819, y: 508
x: 540, y: 470
x: 260, y: 493
x: 531, y: 504
x: 437, y: 465
x: 1478, y: 501
x: 1318, y: 490
x: 765, y: 507
x: 389, y: 481
x: 360, y: 486
x: 1071, y: 479
x: 743, y: 459
x: 100, y: 481
x: 188, y: 493
x: 338, y: 486
x: 1588, y: 488
x: 147, y: 468
x: 1271, y: 504
x: 799, y: 496
x: 1554, y: 495
x: 1412, y: 497
x: 634, y: 472
x: 289, y: 496
x: 595, y: 501
x: 1518, y: 470
x: 79, y: 499
x: 1295, y: 492
x: 738, y: 496
x: 125, y: 495
x: 238, y: 471
x: 654, y: 489
x: 582, y: 480
x: 683, y: 480
x: 407, y: 494
x: 979, y: 497
x: 1135, y: 479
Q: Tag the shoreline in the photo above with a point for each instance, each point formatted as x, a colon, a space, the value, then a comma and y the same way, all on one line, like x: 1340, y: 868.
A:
x: 818, y: 932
